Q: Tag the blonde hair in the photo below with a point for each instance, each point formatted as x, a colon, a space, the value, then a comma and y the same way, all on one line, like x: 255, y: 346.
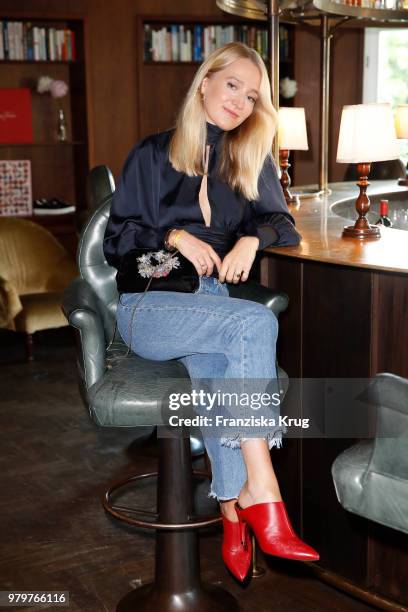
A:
x: 244, y: 149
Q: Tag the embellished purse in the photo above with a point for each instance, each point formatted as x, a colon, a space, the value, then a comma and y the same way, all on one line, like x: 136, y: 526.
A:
x: 165, y: 271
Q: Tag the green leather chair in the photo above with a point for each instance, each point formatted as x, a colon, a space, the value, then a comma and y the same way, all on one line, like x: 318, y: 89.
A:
x: 129, y: 393
x: 371, y: 477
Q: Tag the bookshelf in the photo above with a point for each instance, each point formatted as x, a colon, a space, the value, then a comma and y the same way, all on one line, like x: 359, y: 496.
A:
x: 167, y: 68
x: 194, y: 42
x: 58, y: 169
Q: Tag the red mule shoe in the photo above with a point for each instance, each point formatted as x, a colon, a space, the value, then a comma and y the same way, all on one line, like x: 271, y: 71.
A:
x: 236, y: 548
x: 274, y: 532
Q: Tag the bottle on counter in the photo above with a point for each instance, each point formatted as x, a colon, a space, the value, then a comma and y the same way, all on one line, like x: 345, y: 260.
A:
x: 384, y: 218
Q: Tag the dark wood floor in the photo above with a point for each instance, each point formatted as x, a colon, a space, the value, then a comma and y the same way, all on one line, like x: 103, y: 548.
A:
x: 55, y: 463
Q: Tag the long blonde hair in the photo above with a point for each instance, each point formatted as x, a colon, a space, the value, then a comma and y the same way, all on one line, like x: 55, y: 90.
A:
x: 244, y: 149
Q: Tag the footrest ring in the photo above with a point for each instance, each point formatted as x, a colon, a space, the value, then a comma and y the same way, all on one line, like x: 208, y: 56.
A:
x: 118, y: 512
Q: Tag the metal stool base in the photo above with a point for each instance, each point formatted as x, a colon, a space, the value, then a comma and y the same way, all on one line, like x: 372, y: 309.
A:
x: 205, y: 598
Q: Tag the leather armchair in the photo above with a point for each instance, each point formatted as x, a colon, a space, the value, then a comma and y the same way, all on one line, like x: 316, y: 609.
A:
x: 371, y: 477
x: 128, y: 392
x: 34, y: 270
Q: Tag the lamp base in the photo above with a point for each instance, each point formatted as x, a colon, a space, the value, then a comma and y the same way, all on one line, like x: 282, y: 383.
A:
x: 291, y: 199
x: 372, y: 232
x: 304, y: 194
x: 362, y: 230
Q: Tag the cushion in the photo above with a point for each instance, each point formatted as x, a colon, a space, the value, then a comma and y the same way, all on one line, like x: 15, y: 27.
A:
x: 131, y: 392
x: 40, y: 311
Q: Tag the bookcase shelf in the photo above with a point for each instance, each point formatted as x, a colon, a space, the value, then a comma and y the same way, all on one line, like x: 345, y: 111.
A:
x: 65, y: 143
x: 171, y: 63
x: 37, y: 40
x: 26, y: 61
x: 184, y: 42
x: 58, y: 169
x: 196, y: 62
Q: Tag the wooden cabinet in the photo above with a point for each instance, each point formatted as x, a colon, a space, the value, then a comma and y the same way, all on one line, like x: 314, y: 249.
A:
x: 59, y: 169
x: 342, y: 323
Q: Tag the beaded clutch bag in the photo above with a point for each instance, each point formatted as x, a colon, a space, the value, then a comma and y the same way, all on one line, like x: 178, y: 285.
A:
x: 165, y: 272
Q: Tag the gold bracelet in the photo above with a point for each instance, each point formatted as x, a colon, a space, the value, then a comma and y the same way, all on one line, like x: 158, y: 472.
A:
x: 177, y: 238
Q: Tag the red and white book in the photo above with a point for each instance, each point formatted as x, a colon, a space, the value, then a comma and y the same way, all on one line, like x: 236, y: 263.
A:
x: 15, y: 116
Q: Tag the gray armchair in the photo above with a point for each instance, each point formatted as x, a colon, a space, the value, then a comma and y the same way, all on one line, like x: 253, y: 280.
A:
x: 371, y: 477
x: 129, y: 393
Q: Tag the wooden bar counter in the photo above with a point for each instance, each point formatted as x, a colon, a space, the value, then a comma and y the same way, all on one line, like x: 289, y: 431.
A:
x: 321, y: 230
x: 347, y: 318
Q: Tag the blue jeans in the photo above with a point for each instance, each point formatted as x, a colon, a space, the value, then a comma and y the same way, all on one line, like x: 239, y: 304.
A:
x: 216, y: 337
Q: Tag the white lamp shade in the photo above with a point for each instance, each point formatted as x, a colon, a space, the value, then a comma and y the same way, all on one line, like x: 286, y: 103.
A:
x: 401, y: 121
x: 292, y: 129
x: 367, y: 134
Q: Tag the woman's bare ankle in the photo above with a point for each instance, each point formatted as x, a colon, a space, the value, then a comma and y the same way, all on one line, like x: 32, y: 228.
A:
x: 258, y: 494
x: 228, y: 510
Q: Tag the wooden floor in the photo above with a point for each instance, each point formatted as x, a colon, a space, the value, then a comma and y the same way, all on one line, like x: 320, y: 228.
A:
x: 55, y: 536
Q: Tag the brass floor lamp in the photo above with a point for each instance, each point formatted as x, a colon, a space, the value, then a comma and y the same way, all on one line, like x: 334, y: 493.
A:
x: 269, y: 10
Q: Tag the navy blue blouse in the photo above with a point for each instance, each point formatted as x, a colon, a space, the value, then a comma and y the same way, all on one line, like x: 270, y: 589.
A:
x: 153, y: 197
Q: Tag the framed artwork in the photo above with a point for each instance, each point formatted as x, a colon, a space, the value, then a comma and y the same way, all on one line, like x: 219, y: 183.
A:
x: 15, y: 188
x: 16, y: 124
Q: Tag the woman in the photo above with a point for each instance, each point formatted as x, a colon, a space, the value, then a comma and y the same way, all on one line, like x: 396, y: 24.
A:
x: 209, y: 189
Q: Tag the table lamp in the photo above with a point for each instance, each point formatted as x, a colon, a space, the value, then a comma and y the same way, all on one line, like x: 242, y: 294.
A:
x: 401, y: 127
x: 292, y: 136
x: 367, y: 134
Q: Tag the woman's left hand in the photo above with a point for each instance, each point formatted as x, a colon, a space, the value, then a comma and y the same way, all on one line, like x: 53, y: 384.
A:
x: 237, y: 263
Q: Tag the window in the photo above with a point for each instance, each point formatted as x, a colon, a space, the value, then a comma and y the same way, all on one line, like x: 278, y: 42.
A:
x: 386, y: 69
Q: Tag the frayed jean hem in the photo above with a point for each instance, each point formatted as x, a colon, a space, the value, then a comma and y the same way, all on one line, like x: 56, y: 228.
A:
x: 274, y: 439
x: 222, y: 498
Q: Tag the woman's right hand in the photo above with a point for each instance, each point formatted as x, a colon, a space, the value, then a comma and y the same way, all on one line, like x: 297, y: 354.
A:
x: 202, y: 255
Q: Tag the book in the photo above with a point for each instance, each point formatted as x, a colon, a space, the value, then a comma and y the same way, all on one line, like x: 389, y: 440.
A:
x: 36, y: 43
x: 174, y: 44
x: 5, y: 40
x: 15, y: 115
x: 2, y: 53
x: 15, y: 188
x: 11, y: 40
